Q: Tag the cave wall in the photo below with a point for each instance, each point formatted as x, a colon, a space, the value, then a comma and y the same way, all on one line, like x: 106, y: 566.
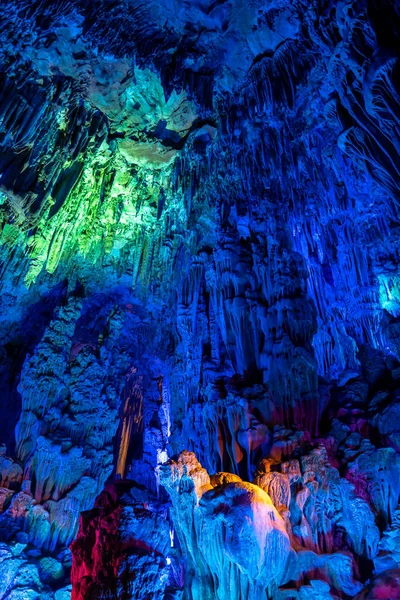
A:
x: 199, y: 364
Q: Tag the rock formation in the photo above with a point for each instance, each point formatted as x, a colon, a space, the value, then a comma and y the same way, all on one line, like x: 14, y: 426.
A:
x: 199, y: 299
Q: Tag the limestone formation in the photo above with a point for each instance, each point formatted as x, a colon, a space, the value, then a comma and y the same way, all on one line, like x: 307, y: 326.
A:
x: 199, y: 299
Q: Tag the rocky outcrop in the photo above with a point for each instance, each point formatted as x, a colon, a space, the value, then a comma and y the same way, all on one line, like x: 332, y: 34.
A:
x: 385, y: 585
x: 240, y: 540
x: 122, y: 546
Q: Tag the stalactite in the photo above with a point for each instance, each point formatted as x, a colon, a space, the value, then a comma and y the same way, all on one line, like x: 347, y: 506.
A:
x: 131, y: 422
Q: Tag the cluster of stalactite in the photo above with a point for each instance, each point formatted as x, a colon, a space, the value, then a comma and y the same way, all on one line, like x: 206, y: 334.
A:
x: 199, y: 275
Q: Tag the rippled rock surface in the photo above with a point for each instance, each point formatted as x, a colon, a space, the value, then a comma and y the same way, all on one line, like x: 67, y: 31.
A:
x: 199, y: 299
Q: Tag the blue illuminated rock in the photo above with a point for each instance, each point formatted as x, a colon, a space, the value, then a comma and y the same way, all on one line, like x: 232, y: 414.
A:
x: 199, y: 298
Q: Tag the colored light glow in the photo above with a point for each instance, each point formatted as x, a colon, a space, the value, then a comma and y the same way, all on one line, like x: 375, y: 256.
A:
x: 389, y: 293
